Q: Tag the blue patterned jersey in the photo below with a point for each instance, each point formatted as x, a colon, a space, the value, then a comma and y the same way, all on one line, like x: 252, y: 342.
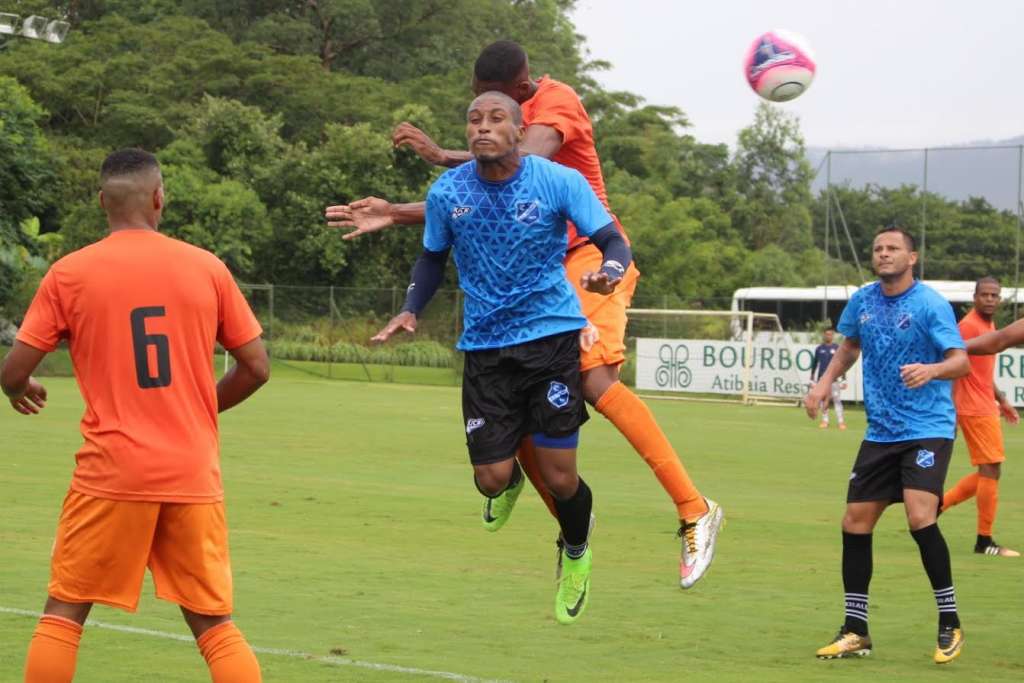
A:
x: 509, y: 240
x: 917, y: 326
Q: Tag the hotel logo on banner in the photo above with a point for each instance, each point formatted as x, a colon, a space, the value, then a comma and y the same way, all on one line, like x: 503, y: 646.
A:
x: 672, y: 372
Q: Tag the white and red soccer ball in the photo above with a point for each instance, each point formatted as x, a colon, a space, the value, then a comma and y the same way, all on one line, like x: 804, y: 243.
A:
x: 779, y: 66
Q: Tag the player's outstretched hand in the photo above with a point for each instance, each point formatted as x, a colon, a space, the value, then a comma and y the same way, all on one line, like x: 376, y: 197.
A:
x: 818, y: 394
x: 599, y: 283
x: 365, y: 215
x: 32, y: 401
x: 406, y: 134
x: 916, y: 375
x: 1009, y: 413
x: 404, y: 321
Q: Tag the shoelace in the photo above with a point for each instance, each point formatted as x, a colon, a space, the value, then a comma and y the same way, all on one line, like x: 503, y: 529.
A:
x: 688, y: 532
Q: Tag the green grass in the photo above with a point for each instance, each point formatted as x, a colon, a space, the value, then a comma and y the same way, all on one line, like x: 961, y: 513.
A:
x: 354, y: 527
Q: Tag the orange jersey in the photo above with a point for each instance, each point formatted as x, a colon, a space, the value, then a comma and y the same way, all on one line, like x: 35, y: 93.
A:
x: 141, y: 313
x: 557, y: 105
x: 975, y: 393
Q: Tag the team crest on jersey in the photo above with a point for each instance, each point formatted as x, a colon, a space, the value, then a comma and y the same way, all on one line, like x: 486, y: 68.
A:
x: 864, y: 317
x: 460, y: 211
x: 925, y: 458
x: 558, y: 395
x: 528, y: 212
x: 903, y: 322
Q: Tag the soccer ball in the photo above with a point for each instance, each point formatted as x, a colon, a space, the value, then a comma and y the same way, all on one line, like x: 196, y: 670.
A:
x: 779, y: 66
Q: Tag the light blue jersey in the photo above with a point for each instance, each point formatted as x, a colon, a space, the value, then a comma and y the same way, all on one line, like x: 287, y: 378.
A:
x: 917, y: 326
x: 509, y: 240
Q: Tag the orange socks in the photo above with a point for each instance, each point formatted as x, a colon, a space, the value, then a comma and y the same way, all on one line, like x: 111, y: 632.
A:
x: 53, y: 651
x: 988, y: 501
x: 528, y: 461
x: 634, y: 419
x: 229, y: 657
x: 964, y: 489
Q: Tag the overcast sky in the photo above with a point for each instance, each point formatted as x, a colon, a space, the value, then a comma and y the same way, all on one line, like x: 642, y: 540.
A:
x: 898, y: 73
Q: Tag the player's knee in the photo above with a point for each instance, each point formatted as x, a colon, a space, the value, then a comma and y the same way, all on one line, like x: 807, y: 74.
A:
x: 562, y: 485
x: 920, y: 518
x: 990, y: 470
x: 491, y: 480
x: 201, y: 623
x: 854, y: 523
x: 597, y: 381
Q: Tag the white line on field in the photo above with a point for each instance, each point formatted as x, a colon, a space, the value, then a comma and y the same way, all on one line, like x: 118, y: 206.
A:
x: 295, y: 654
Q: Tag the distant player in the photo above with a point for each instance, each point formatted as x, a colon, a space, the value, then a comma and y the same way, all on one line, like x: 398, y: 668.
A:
x: 978, y: 406
x: 505, y: 216
x: 912, y: 349
x: 822, y: 357
x: 141, y: 313
x: 558, y: 128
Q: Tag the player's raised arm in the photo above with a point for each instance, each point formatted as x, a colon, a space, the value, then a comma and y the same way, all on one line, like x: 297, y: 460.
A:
x: 27, y: 396
x: 1000, y: 340
x: 372, y: 214
x: 844, y: 359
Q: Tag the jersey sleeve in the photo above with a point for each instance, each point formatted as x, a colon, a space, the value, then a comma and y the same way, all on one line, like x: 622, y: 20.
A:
x: 236, y: 324
x: 45, y: 323
x: 561, y: 109
x: 849, y: 321
x: 580, y: 205
x: 943, y: 330
x: 437, y: 233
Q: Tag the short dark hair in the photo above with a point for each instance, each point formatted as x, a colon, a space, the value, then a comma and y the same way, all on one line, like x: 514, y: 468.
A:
x: 987, y: 280
x: 500, y: 62
x: 896, y: 227
x: 127, y: 162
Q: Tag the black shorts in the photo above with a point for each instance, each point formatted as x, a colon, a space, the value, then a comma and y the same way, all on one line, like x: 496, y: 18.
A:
x: 883, y: 470
x: 519, y: 390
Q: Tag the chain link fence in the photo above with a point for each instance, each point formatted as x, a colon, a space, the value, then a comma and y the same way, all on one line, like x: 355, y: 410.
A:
x: 327, y: 331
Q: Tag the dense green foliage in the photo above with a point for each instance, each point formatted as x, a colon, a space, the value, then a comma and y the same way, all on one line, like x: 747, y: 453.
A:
x: 263, y: 112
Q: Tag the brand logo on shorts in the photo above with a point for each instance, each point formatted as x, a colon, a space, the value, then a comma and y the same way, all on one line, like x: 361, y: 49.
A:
x: 903, y: 322
x: 528, y: 212
x: 473, y: 424
x: 853, y: 475
x: 460, y: 211
x: 925, y: 458
x: 558, y: 395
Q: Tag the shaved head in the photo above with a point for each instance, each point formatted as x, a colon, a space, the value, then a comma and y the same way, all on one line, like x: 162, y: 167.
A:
x: 506, y: 102
x: 131, y: 187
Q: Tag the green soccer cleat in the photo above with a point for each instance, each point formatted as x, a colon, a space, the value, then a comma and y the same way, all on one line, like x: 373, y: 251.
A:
x: 497, y: 510
x: 573, y: 588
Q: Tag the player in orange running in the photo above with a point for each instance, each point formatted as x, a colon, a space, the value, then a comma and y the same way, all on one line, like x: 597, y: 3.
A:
x: 141, y: 313
x: 979, y: 404
x: 559, y: 129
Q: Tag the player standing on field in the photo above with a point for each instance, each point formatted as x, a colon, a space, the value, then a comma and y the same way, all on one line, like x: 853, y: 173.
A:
x: 558, y: 128
x: 912, y: 349
x: 978, y: 406
x: 822, y: 357
x: 505, y: 216
x: 141, y: 313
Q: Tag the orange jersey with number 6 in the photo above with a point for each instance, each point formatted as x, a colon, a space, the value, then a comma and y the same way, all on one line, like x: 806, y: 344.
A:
x: 141, y: 313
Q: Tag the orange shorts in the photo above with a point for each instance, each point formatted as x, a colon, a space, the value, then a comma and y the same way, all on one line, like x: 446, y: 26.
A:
x: 984, y: 437
x: 606, y: 313
x: 104, y: 546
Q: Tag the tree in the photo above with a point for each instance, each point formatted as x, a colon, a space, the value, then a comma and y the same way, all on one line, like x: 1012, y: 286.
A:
x: 774, y: 178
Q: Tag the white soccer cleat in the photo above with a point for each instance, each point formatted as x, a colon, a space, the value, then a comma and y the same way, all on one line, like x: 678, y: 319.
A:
x: 699, y: 544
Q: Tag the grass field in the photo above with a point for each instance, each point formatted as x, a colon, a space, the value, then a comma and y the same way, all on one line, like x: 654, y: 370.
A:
x: 355, y: 532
